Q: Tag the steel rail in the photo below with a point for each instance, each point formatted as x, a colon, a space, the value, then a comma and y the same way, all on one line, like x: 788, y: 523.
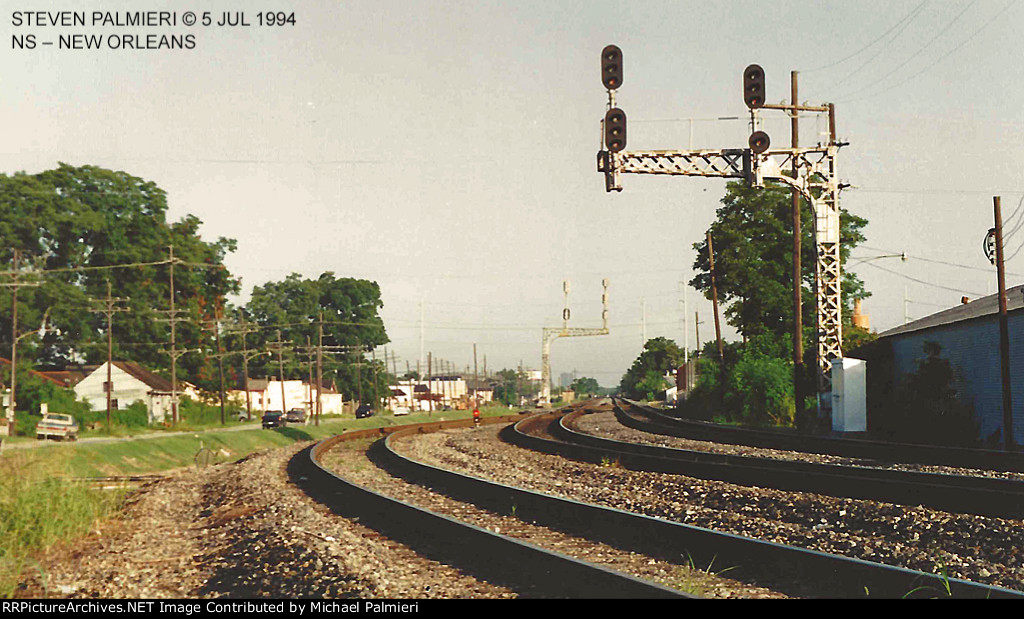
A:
x: 823, y: 574
x: 985, y: 496
x: 497, y: 558
x: 838, y: 446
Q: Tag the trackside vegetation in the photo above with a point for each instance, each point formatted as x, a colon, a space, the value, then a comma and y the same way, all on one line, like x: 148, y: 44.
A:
x: 41, y: 506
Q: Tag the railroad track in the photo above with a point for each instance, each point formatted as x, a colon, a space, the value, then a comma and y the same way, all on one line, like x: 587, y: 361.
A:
x: 986, y: 496
x: 822, y: 574
x: 486, y: 554
x: 884, y: 451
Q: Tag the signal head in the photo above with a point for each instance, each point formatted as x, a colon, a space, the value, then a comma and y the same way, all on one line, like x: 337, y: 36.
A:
x: 615, y: 130
x: 759, y: 142
x: 753, y: 86
x: 611, y: 67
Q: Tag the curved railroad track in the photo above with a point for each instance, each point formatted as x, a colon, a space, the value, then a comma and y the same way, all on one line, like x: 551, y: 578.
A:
x: 820, y: 574
x: 534, y: 571
x: 884, y: 451
x: 986, y: 496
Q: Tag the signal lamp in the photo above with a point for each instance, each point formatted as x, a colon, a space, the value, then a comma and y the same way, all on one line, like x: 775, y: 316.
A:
x: 615, y: 130
x: 759, y: 142
x: 753, y: 86
x: 611, y: 67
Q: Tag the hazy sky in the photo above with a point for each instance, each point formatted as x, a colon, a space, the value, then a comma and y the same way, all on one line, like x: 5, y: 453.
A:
x: 447, y: 149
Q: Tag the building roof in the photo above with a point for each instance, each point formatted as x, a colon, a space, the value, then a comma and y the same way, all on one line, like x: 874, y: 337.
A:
x: 59, y: 378
x: 154, y: 381
x: 985, y: 306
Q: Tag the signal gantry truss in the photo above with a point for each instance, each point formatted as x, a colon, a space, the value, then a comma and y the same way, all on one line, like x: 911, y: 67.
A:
x: 816, y: 180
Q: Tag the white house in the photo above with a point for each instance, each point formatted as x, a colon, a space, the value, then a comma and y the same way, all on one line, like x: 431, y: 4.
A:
x: 129, y: 383
x: 265, y: 394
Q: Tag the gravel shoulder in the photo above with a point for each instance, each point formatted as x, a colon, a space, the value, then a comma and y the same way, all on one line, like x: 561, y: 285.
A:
x: 240, y: 530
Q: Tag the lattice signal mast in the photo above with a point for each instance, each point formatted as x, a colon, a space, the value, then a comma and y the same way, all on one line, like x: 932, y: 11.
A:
x: 815, y: 179
x: 552, y: 334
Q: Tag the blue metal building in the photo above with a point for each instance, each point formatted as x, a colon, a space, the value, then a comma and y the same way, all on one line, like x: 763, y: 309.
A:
x: 969, y: 337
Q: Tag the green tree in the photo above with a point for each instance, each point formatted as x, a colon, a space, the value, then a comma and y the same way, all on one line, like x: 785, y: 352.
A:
x: 646, y: 376
x: 753, y: 244
x: 74, y: 226
x: 350, y: 319
x: 585, y: 386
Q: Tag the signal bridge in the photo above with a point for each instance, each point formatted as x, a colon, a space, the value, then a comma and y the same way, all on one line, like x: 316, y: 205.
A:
x: 811, y: 171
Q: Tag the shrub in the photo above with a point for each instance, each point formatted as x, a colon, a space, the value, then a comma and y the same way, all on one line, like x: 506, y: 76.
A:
x: 760, y: 390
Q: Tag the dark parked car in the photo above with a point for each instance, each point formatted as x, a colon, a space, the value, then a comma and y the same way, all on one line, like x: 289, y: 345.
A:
x: 364, y: 410
x: 274, y: 419
x: 296, y: 415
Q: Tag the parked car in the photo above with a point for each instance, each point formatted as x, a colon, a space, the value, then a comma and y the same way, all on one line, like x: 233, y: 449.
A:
x: 364, y: 410
x: 58, y: 426
x: 401, y: 410
x: 274, y: 419
x: 296, y: 415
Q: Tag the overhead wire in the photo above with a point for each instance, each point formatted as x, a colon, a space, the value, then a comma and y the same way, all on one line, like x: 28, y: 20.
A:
x: 883, y: 35
x: 933, y: 63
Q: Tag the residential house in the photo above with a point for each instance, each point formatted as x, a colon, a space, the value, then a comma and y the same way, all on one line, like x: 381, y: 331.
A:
x: 129, y: 383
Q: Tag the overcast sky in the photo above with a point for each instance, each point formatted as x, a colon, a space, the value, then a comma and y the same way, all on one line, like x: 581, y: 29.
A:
x: 447, y: 150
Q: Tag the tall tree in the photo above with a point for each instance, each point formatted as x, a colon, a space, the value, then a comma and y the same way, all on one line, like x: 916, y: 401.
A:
x: 754, y: 256
x: 78, y: 227
x: 351, y: 318
x: 646, y: 376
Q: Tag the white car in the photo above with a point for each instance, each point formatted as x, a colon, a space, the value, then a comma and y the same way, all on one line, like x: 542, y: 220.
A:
x: 401, y: 410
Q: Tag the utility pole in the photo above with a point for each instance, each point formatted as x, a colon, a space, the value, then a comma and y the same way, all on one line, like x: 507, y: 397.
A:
x: 376, y: 393
x: 278, y: 346
x: 475, y: 403
x: 643, y: 323
x: 243, y: 328
x: 696, y: 326
x: 174, y: 353
x: 14, y: 284
x: 1004, y: 331
x: 319, y: 368
x: 215, y: 326
x: 714, y: 300
x: 798, y: 338
x: 816, y: 180
x: 430, y: 382
x: 109, y: 308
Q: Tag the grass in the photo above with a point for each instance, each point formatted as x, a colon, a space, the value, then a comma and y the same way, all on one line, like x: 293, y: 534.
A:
x: 39, y: 507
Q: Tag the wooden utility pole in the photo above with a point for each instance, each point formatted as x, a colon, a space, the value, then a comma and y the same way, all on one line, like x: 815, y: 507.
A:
x: 475, y: 403
x: 798, y: 339
x: 109, y: 308
x: 173, y: 320
x: 319, y: 368
x: 430, y: 382
x: 215, y: 326
x: 14, y: 284
x: 1004, y: 331
x: 242, y: 328
x: 714, y: 300
x: 278, y: 346
x: 376, y: 394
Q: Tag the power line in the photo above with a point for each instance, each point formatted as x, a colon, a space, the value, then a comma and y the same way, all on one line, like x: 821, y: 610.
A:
x: 921, y: 281
x: 910, y: 15
x: 832, y: 64
x: 938, y: 60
